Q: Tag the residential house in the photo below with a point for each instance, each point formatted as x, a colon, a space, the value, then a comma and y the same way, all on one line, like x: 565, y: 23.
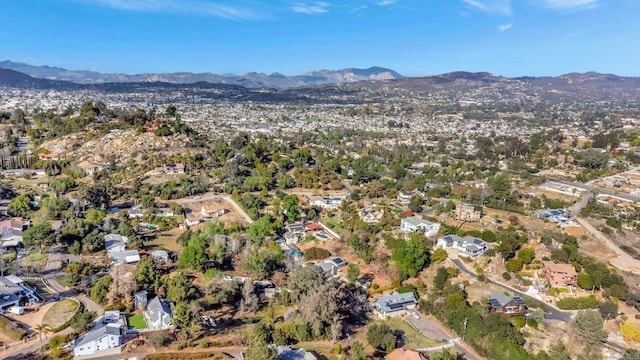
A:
x: 174, y: 168
x: 371, y: 215
x: 403, y: 354
x: 15, y: 292
x: 404, y: 197
x: 292, y: 238
x: 286, y: 353
x: 160, y: 257
x: 158, y: 315
x: 165, y: 212
x: 327, y: 202
x: 136, y: 212
x: 559, y: 275
x: 11, y: 238
x: 91, y: 168
x: 115, y: 243
x: 124, y: 257
x: 395, y: 304
x: 507, y: 305
x: 415, y: 223
x: 103, y: 338
x: 140, y: 299
x: 468, y: 245
x: 466, y: 212
x: 51, y: 156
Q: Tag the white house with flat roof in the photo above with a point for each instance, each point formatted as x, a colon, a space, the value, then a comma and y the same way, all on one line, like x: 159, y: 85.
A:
x: 468, y: 245
x: 415, y: 223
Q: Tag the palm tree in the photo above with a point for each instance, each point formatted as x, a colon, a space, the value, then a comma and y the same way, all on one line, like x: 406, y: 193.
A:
x: 42, y: 329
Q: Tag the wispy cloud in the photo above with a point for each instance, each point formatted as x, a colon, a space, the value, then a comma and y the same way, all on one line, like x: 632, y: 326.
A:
x: 317, y: 7
x: 501, y: 7
x: 386, y: 2
x: 193, y: 7
x: 505, y: 27
x: 571, y: 4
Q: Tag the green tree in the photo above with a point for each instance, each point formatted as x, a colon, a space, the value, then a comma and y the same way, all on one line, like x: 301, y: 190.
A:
x: 380, y: 336
x: 585, y: 281
x: 263, y: 262
x: 291, y: 207
x: 356, y: 351
x: 94, y: 216
x: 441, y: 278
x: 514, y: 265
x: 145, y: 274
x: 20, y: 206
x: 180, y: 288
x: 100, y: 289
x: 182, y: 317
x: 526, y: 255
x: 608, y: 309
x: 42, y: 329
x: 411, y: 256
x: 39, y: 235
x: 587, y: 325
x: 353, y: 272
x: 194, y: 254
x: 415, y: 203
x: 83, y: 321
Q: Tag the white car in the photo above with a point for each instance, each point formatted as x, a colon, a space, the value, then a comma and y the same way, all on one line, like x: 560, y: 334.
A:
x: 18, y: 310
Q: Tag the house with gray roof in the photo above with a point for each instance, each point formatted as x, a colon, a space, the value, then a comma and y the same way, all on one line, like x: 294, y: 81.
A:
x: 394, y: 304
x: 124, y: 257
x: 115, y: 243
x: 15, y: 292
x: 103, y: 338
x: 158, y: 315
x: 503, y: 304
x: 415, y: 223
x: 467, y: 246
x: 286, y: 353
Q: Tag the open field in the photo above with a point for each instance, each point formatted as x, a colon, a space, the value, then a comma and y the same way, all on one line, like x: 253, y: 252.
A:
x: 36, y: 260
x: 410, y: 336
x: 210, y: 203
x: 166, y: 240
x: 60, y: 313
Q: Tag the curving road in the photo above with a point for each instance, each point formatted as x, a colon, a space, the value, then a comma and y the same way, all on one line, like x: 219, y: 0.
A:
x: 551, y: 312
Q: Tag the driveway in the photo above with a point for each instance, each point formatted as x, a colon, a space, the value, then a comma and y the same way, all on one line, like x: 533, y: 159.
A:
x: 431, y: 328
x: 551, y: 312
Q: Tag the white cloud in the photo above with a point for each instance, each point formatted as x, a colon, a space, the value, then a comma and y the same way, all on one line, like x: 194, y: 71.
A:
x: 505, y: 27
x: 194, y: 7
x: 571, y: 4
x: 501, y: 7
x: 318, y: 7
x: 386, y: 2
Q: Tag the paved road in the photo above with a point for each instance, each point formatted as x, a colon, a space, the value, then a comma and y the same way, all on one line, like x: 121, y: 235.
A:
x: 551, y: 314
x: 431, y: 328
x: 596, y: 189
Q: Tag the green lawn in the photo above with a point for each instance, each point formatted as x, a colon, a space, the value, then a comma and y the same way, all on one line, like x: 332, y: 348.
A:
x: 136, y: 322
x: 411, y: 336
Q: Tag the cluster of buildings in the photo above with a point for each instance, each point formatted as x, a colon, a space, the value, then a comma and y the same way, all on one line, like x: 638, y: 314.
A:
x: 560, y: 217
x: 116, y: 247
x: 467, y: 246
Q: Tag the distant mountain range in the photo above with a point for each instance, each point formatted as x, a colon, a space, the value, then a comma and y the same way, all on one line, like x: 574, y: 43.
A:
x: 348, y: 85
x: 249, y: 80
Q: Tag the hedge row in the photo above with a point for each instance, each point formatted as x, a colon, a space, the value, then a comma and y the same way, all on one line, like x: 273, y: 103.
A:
x: 187, y: 356
x: 12, y: 329
x: 587, y: 302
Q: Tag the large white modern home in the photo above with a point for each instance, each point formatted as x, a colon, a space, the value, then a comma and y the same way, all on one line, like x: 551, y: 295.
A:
x: 468, y: 245
x: 103, y: 338
x: 15, y: 292
x: 415, y: 223
x: 394, y: 304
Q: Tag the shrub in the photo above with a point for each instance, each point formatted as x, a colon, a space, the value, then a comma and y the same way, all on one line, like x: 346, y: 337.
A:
x: 587, y: 302
x: 519, y: 321
x: 315, y: 253
x: 532, y: 323
x: 204, y: 344
x: 12, y: 329
x: 506, y: 276
x: 159, y: 339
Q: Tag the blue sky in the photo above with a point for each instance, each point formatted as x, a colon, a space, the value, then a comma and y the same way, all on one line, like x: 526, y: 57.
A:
x: 414, y: 37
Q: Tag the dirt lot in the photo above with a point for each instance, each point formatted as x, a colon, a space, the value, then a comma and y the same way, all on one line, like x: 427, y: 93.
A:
x: 211, y: 204
x: 338, y: 249
x: 61, y: 312
x: 30, y: 318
